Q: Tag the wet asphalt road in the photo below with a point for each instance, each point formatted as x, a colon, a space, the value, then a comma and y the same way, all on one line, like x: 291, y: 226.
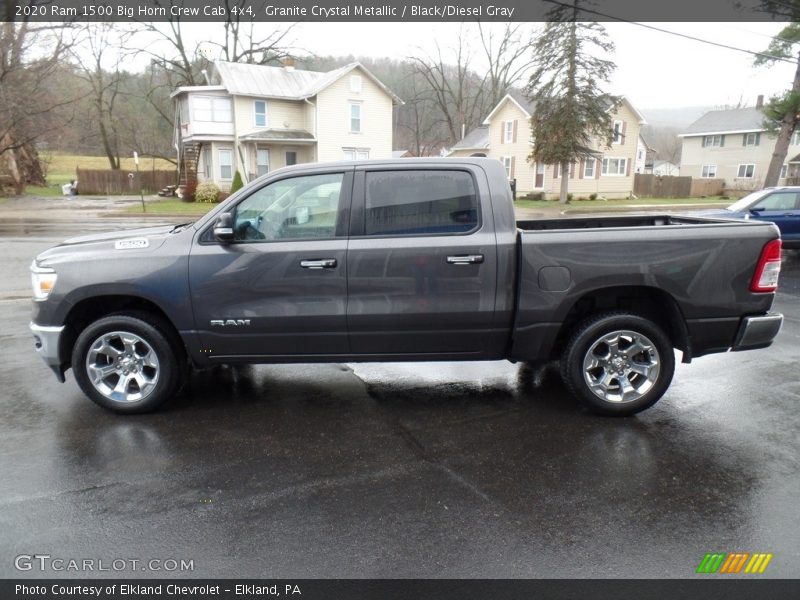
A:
x: 398, y: 470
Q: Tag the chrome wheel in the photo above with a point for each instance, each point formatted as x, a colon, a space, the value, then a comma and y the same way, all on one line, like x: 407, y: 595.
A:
x: 621, y: 366
x: 122, y: 366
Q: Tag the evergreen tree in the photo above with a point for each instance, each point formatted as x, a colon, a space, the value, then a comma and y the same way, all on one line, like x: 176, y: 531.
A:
x: 782, y: 112
x: 237, y: 183
x: 571, y: 111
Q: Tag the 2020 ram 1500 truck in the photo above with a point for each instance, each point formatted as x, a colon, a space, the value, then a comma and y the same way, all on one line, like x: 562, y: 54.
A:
x: 412, y: 259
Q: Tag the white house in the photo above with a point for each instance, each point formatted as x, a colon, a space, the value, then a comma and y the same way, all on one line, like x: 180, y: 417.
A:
x: 506, y: 135
x: 260, y: 118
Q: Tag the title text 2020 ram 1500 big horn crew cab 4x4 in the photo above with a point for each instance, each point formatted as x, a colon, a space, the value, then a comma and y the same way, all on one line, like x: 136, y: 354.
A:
x: 404, y: 260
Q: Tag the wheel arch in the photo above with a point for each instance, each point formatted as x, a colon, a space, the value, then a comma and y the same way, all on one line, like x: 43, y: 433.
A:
x: 648, y: 302
x: 90, y: 309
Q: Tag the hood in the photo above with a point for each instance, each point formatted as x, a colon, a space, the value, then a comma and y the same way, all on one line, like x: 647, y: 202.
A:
x: 110, y: 245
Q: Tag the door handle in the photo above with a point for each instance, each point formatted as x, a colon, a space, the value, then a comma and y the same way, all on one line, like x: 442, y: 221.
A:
x: 322, y: 263
x: 465, y: 259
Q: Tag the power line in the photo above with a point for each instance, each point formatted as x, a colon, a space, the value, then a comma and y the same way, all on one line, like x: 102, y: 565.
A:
x: 683, y: 35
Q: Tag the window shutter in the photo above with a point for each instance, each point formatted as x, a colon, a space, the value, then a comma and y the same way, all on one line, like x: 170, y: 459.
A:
x: 721, y: 141
x: 744, y: 139
x: 555, y: 171
x: 628, y: 167
x: 758, y: 139
x: 512, y: 166
x: 502, y: 132
x: 580, y: 169
x: 572, y: 170
x: 624, y: 127
x: 598, y: 167
x: 514, y: 136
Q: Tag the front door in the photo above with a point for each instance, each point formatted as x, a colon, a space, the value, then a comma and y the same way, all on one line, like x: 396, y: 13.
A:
x: 422, y: 264
x: 783, y: 209
x: 280, y: 288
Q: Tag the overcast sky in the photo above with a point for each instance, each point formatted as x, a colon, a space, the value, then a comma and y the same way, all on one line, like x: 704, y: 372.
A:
x: 654, y: 70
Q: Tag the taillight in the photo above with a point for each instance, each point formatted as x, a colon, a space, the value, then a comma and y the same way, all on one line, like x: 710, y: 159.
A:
x: 765, y: 279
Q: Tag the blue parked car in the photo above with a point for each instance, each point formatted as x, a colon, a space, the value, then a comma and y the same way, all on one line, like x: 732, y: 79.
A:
x: 781, y: 205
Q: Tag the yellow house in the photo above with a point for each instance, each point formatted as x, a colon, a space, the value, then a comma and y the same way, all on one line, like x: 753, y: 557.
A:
x: 261, y: 118
x: 506, y: 135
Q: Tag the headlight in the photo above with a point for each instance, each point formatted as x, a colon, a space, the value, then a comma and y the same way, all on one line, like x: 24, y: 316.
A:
x: 43, y: 280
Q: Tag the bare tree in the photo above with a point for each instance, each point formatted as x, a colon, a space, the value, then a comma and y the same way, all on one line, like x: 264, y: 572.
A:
x: 30, y: 54
x: 460, y: 93
x: 104, y: 77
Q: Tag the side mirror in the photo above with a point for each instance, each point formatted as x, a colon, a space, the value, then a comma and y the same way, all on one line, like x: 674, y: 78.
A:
x: 757, y: 210
x: 223, y: 228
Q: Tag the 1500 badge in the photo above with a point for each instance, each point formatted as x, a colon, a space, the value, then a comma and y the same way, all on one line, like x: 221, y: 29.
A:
x: 230, y: 322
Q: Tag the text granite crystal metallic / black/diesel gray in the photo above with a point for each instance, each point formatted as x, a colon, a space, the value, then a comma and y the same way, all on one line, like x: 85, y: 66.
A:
x: 403, y: 260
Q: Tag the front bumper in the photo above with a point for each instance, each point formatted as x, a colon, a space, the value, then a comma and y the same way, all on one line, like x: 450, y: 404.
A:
x: 758, y: 332
x: 47, y: 341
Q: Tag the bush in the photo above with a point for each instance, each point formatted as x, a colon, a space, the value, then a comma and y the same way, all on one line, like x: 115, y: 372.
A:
x: 207, y: 192
x: 534, y: 196
x: 237, y: 183
x: 592, y: 196
x: 188, y: 192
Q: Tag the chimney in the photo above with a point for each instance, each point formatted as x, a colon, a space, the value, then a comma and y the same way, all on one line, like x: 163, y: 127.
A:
x: 760, y: 101
x: 288, y: 63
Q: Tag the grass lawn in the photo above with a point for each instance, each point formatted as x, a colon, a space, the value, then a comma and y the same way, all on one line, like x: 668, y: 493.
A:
x: 606, y: 204
x: 61, y: 169
x: 172, y: 206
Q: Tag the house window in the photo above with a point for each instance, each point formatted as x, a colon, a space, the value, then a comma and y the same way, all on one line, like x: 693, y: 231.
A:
x: 508, y: 132
x: 752, y: 139
x: 796, y: 138
x: 291, y: 158
x: 355, y: 83
x: 262, y: 161
x: 614, y: 166
x: 260, y: 107
x: 709, y: 171
x: 617, y: 138
x: 225, y: 159
x: 213, y: 109
x: 745, y: 171
x: 588, y: 168
x: 506, y: 160
x: 784, y: 170
x: 713, y: 141
x: 207, y: 164
x: 355, y: 117
x: 571, y: 170
x: 355, y: 153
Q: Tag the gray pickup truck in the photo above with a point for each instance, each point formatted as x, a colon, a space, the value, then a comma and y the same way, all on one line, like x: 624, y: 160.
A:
x: 403, y: 260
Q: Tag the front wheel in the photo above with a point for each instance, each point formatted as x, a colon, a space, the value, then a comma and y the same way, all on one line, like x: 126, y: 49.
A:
x: 125, y: 363
x: 618, y: 364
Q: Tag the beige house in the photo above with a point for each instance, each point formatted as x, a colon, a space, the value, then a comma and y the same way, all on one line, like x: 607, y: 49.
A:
x: 735, y: 146
x: 261, y: 118
x: 506, y: 135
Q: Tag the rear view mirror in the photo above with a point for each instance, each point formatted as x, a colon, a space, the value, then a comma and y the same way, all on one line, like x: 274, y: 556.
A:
x: 223, y: 228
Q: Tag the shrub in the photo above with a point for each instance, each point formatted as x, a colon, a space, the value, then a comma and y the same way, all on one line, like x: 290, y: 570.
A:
x: 534, y: 196
x: 188, y: 192
x: 207, y: 192
x: 592, y: 196
x: 237, y: 183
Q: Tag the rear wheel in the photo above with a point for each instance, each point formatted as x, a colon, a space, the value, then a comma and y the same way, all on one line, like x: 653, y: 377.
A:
x: 618, y: 363
x: 125, y: 363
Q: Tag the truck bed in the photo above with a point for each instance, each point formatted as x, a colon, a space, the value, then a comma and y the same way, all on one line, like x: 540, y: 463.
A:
x: 615, y: 221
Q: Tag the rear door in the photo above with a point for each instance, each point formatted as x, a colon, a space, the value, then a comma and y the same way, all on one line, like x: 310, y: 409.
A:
x: 422, y: 263
x: 280, y: 288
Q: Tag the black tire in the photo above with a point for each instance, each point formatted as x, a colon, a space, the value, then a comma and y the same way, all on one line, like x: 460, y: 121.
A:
x: 643, y: 376
x: 155, y: 345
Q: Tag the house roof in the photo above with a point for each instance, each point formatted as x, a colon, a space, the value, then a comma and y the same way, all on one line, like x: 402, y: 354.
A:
x: 279, y: 135
x: 400, y: 153
x: 738, y: 120
x: 242, y: 79
x: 477, y: 139
x: 658, y: 163
x: 528, y: 107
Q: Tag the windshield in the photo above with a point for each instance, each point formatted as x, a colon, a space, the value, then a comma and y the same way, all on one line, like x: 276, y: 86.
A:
x: 742, y: 204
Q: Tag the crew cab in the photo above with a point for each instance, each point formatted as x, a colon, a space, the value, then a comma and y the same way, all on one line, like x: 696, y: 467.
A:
x: 402, y: 260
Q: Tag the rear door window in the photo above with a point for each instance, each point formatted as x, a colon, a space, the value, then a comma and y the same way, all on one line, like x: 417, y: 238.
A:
x: 420, y: 202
